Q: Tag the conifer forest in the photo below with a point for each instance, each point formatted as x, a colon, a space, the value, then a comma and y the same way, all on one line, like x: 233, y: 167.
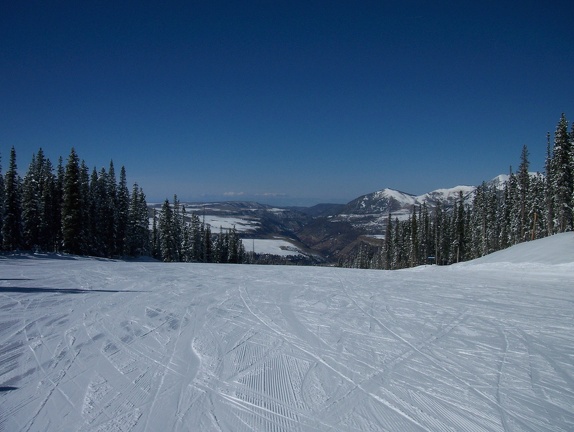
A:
x: 68, y: 209
x: 529, y: 206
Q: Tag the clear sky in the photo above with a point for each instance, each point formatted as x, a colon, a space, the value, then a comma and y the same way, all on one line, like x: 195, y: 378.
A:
x: 286, y: 101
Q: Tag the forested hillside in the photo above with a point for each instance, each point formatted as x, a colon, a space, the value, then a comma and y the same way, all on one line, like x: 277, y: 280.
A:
x: 69, y: 210
x: 526, y: 206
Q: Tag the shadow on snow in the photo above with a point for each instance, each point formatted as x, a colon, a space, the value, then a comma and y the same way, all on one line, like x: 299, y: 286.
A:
x: 27, y: 290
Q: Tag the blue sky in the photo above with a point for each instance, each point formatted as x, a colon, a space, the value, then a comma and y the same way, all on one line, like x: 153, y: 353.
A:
x: 288, y: 102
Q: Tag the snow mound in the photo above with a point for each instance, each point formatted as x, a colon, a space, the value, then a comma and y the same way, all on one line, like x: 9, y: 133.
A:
x: 556, y: 249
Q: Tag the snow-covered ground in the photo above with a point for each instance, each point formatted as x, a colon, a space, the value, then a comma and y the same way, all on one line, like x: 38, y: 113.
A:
x: 242, y: 225
x: 278, y: 247
x: 96, y: 345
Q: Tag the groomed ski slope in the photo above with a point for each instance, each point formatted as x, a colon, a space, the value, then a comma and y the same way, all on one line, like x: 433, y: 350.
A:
x: 96, y: 345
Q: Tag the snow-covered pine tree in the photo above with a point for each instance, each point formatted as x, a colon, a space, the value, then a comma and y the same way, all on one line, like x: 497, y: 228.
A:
x: 388, y: 245
x: 111, y: 221
x: 425, y: 237
x: 178, y: 224
x: 72, y: 223
x: 165, y: 231
x: 478, y: 241
x: 12, y: 223
x: 413, y: 240
x: 548, y: 192
x: 207, y: 244
x: 48, y: 199
x: 536, y: 206
x: 187, y: 247
x: 85, y: 207
x: 31, y: 203
x: 572, y: 174
x: 221, y: 247
x: 2, y: 197
x: 137, y: 230
x: 123, y: 213
x: 398, y: 248
x: 155, y: 243
x: 523, y: 191
x: 197, y: 238
x: 438, y: 233
x: 562, y: 176
x: 458, y: 251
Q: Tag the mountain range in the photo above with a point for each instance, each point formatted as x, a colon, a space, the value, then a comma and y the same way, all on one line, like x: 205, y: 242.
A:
x: 326, y: 233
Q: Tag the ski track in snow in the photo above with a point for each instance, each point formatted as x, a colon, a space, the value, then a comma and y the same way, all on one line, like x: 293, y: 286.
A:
x: 91, y: 345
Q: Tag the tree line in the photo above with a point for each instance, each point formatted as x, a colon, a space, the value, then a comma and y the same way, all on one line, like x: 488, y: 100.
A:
x: 177, y: 237
x: 528, y: 206
x: 69, y: 209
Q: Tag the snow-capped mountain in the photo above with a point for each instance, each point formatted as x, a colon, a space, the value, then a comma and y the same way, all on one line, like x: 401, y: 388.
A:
x: 371, y: 211
x: 391, y: 200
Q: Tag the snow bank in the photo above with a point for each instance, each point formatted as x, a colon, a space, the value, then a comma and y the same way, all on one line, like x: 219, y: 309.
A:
x: 556, y: 249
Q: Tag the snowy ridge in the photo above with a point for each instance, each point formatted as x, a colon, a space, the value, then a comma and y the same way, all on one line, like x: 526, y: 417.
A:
x: 554, y: 250
x: 371, y: 211
x: 101, y: 345
x: 394, y: 201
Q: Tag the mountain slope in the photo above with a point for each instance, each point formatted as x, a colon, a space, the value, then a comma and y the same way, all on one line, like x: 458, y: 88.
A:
x: 103, y: 345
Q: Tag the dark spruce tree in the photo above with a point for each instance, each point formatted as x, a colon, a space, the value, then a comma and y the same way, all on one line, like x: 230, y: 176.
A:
x: 72, y: 223
x: 167, y: 247
x: 31, y: 203
x: 523, y: 192
x: 137, y: 237
x: 2, y: 197
x: 123, y: 213
x: 12, y: 222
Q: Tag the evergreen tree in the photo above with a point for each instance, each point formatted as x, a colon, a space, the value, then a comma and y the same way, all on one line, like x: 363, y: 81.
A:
x: 235, y: 247
x: 388, y: 245
x: 398, y: 246
x: 548, y: 191
x: 504, y: 216
x: 12, y: 223
x: 2, y: 198
x: 536, y: 201
x: 562, y: 176
x: 58, y: 229
x: 523, y: 189
x: 123, y: 213
x: 439, y: 235
x: 111, y: 206
x: 37, y: 204
x: 72, y: 223
x: 31, y: 203
x: 177, y: 229
x: 103, y: 234
x: 221, y: 247
x: 187, y: 247
x: 459, y: 231
x: 49, y: 225
x: 85, y: 208
x: 196, y: 239
x: 167, y: 246
x: 207, y: 244
x: 155, y: 243
x: 137, y: 230
x: 414, y: 241
x: 425, y: 236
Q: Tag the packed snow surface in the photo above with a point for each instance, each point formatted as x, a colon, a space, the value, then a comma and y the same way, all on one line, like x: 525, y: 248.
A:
x: 96, y: 345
